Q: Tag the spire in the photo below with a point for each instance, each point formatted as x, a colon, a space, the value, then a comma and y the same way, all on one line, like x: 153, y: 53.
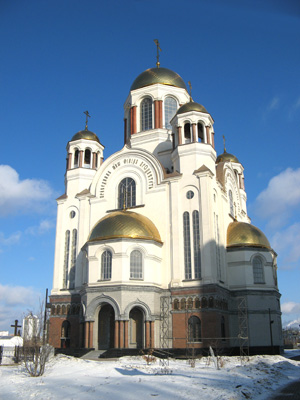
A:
x: 86, y: 119
x: 158, y: 50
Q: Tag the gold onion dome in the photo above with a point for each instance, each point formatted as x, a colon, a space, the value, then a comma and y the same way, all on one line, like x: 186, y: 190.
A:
x: 164, y: 76
x: 241, y: 234
x: 191, y: 106
x: 124, y: 224
x: 227, y: 157
x: 88, y: 135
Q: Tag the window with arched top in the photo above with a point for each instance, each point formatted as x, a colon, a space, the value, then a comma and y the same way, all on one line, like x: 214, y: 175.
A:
x: 187, y: 246
x: 204, y: 302
x: 187, y: 133
x: 87, y: 158
x: 231, y: 206
x: 211, y: 302
x: 200, y: 130
x: 66, y: 259
x: 182, y: 304
x: 126, y: 193
x: 76, y: 159
x: 258, y: 270
x: 65, y: 329
x: 106, y: 259
x: 196, y: 242
x: 136, y: 265
x: 170, y: 110
x: 194, y: 329
x: 176, y: 304
x: 190, y: 303
x: 146, y: 114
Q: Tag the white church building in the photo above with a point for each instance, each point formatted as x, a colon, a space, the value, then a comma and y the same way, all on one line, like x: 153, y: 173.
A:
x: 154, y: 247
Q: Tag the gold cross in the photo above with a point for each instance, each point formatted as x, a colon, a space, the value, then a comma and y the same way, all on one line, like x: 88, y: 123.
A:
x: 158, y: 50
x: 190, y: 85
x: 86, y: 119
x: 224, y: 144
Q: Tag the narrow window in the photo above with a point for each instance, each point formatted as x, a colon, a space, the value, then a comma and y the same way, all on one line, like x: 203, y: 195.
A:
x: 217, y: 240
x: 127, y: 193
x: 76, y: 159
x: 196, y: 240
x: 197, y: 302
x: 200, y: 132
x: 182, y: 304
x: 187, y: 133
x: 223, y: 335
x: 106, y: 265
x: 231, y: 207
x: 73, y: 259
x: 258, y: 273
x: 87, y: 158
x: 187, y: 245
x: 176, y: 304
x: 66, y: 259
x: 136, y: 265
x: 190, y: 303
x: 146, y: 114
x: 170, y: 110
x: 194, y: 328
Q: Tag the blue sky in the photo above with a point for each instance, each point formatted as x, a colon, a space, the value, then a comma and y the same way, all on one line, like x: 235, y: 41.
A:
x: 62, y: 57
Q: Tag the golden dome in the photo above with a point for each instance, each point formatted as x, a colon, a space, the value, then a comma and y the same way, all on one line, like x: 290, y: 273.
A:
x: 240, y: 234
x: 191, y: 106
x: 227, y: 157
x: 163, y: 76
x: 124, y: 224
x: 88, y: 135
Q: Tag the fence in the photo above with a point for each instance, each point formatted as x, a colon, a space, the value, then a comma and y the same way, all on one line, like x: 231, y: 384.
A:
x: 10, y: 354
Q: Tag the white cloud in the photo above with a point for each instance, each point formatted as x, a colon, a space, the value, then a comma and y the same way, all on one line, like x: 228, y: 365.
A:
x: 12, y: 239
x: 22, y: 196
x: 274, y: 104
x: 290, y: 308
x: 278, y: 201
x: 294, y: 109
x: 44, y: 226
x: 287, y: 243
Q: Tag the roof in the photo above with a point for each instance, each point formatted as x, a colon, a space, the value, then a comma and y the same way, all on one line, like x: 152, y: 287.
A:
x: 227, y: 157
x: 164, y: 76
x: 241, y: 234
x: 88, y: 135
x: 191, y: 106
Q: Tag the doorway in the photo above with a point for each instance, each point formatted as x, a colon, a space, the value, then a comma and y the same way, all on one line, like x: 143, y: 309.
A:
x: 136, y: 318
x: 106, y: 327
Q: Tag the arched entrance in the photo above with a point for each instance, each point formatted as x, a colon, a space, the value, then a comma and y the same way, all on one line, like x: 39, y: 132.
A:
x: 136, y: 326
x: 106, y: 325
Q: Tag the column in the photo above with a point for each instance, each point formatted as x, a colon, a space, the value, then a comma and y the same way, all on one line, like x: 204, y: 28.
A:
x: 179, y: 135
x: 91, y: 334
x: 160, y: 118
x: 87, y: 333
x: 116, y: 344
x: 207, y: 135
x: 69, y: 161
x: 152, y: 344
x: 126, y: 334
x: 213, y: 139
x: 156, y: 114
x: 194, y: 130
x: 147, y: 327
x: 121, y: 324
x: 133, y: 120
x: 125, y: 130
x: 94, y: 160
x: 80, y: 158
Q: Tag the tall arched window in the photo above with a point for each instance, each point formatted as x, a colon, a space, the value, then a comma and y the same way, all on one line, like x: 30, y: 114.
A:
x: 126, y: 193
x: 170, y: 110
x: 66, y: 259
x: 106, y: 265
x: 196, y: 240
x: 136, y: 265
x: 73, y: 259
x: 146, y: 114
x: 258, y: 272
x: 194, y: 327
x: 87, y: 158
x: 200, y: 132
x: 76, y: 158
x: 187, y: 133
x: 187, y: 246
x: 231, y: 207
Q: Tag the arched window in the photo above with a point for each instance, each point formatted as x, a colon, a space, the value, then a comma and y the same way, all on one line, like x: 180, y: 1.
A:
x: 66, y: 259
x: 182, y: 304
x: 190, y: 303
x: 223, y: 335
x: 211, y: 302
x: 73, y: 259
x: 76, y: 159
x: 204, y: 302
x: 187, y: 245
x: 170, y: 110
x: 187, y: 133
x: 63, y: 310
x: 196, y: 240
x: 176, y: 304
x: 146, y: 114
x: 197, y: 302
x: 126, y: 193
x: 231, y: 207
x: 136, y: 265
x: 106, y: 265
x: 87, y: 158
x: 200, y: 132
x: 194, y: 327
x: 58, y: 310
x: 258, y: 272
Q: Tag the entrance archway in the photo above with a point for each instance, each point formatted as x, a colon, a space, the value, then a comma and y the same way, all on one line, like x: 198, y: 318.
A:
x: 136, y: 326
x: 106, y: 325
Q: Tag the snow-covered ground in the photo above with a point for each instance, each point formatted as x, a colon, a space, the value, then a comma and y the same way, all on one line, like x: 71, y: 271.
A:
x: 130, y: 378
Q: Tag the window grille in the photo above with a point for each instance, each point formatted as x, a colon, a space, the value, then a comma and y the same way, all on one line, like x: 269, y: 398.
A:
x: 196, y: 240
x: 106, y: 265
x: 194, y: 329
x: 170, y: 110
x: 146, y: 114
x: 187, y: 245
x: 136, y: 265
x: 258, y: 273
x: 127, y: 193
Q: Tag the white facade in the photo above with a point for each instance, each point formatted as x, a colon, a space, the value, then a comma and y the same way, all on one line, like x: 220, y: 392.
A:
x: 152, y: 221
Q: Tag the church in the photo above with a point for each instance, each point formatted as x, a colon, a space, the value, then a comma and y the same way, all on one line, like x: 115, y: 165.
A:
x: 154, y: 247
